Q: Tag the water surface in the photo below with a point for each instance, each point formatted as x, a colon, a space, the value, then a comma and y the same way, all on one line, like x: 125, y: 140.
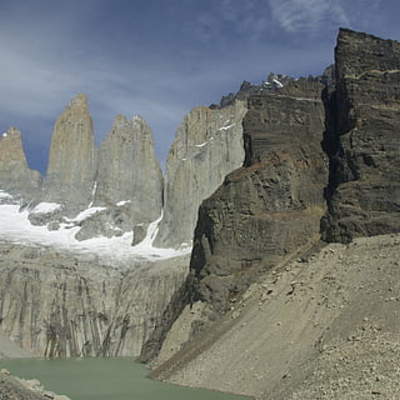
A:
x: 105, y: 379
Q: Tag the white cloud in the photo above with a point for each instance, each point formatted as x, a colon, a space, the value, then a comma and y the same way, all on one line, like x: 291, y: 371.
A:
x: 307, y: 15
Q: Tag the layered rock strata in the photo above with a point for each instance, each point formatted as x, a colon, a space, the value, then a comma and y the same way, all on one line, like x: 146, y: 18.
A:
x: 15, y: 175
x: 364, y: 192
x: 208, y: 145
x: 272, y: 206
x: 72, y: 158
x: 295, y: 331
x: 264, y: 212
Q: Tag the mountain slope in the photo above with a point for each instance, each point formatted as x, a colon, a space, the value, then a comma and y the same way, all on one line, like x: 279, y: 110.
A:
x: 282, y: 337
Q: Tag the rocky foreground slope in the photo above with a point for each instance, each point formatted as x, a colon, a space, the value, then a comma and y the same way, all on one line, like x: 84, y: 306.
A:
x: 13, y: 388
x: 277, y: 338
x: 322, y: 327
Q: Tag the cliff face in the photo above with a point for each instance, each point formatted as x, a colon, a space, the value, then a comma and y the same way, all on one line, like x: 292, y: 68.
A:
x: 128, y: 170
x: 364, y: 198
x: 72, y: 161
x: 314, y: 325
x: 208, y: 146
x: 106, y: 192
x: 270, y: 208
x: 15, y: 176
x: 58, y: 305
x: 129, y: 182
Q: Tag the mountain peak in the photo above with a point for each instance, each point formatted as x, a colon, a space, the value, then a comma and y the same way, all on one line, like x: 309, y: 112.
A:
x: 80, y: 100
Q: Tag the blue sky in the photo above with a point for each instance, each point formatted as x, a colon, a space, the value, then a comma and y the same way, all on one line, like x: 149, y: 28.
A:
x: 159, y: 58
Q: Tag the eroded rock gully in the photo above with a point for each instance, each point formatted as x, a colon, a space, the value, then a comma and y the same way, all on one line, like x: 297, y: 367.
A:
x: 58, y: 305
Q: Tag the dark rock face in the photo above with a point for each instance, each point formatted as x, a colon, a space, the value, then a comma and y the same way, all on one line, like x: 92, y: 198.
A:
x: 364, y: 192
x: 272, y: 206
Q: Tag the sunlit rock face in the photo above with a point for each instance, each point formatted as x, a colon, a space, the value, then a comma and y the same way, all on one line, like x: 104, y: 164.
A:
x: 83, y: 289
x: 208, y: 145
x: 59, y: 305
x: 15, y: 175
x: 72, y: 159
x: 107, y: 191
x: 129, y: 175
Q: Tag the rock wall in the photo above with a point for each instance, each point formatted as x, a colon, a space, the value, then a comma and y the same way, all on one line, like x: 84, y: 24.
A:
x: 263, y: 213
x: 208, y: 145
x: 15, y: 176
x: 128, y: 170
x: 129, y: 183
x: 270, y: 208
x: 58, y: 305
x: 364, y: 193
x: 72, y: 159
x: 106, y: 192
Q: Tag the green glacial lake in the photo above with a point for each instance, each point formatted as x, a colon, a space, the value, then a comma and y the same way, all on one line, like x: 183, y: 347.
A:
x: 104, y: 379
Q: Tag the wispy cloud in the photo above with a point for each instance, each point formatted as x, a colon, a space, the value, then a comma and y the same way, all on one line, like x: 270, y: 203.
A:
x: 158, y: 61
x: 307, y: 15
x: 229, y: 19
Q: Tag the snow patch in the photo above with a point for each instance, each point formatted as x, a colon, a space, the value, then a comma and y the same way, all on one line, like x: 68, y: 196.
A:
x: 46, y: 208
x: 278, y: 83
x: 146, y: 249
x: 16, y: 228
x: 5, y: 195
x: 201, y: 145
x: 225, y: 128
x: 123, y: 202
x: 93, y: 194
x: 86, y: 214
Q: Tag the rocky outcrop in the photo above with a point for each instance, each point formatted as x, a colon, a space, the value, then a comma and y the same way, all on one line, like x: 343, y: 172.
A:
x: 208, y: 145
x: 263, y: 213
x: 308, y: 318
x: 128, y: 172
x: 15, y: 175
x: 59, y: 305
x: 270, y: 208
x: 106, y: 192
x: 72, y: 159
x: 364, y: 192
x: 14, y: 388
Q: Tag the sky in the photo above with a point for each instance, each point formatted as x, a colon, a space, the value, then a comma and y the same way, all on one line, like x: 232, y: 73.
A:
x: 159, y: 58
